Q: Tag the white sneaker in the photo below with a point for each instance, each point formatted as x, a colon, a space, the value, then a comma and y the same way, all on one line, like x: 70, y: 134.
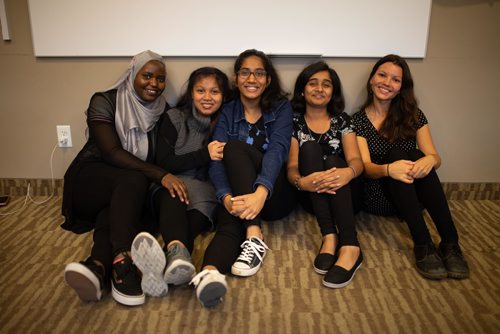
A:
x: 210, y: 287
x: 251, y: 257
x: 149, y: 257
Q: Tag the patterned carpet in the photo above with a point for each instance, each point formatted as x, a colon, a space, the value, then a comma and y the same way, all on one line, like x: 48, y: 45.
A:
x: 286, y: 296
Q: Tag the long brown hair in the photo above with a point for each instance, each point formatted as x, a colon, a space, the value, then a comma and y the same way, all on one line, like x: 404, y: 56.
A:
x: 402, y: 119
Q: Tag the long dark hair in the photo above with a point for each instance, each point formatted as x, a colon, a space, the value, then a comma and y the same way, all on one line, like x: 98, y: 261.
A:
x: 185, y: 103
x: 336, y: 104
x: 273, y: 93
x: 402, y: 119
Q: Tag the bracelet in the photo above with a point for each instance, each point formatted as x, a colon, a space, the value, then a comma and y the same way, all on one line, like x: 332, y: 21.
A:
x: 296, y: 183
x: 388, y: 169
x: 353, y: 170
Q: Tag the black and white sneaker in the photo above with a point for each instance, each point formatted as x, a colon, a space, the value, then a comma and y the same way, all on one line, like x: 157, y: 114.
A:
x: 86, y: 278
x: 180, y: 268
x: 149, y: 257
x: 210, y: 287
x: 126, y: 282
x: 251, y: 257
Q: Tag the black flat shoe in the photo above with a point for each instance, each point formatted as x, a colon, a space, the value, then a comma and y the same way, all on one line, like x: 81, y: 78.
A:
x: 338, y: 277
x: 323, y: 262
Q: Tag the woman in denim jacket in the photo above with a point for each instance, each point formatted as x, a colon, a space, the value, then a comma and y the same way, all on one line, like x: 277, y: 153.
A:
x: 250, y: 180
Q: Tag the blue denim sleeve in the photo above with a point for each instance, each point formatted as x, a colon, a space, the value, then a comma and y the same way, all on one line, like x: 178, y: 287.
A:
x: 280, y: 135
x: 216, y: 169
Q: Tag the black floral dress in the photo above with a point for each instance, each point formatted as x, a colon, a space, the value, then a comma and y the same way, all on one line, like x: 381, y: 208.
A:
x: 330, y: 141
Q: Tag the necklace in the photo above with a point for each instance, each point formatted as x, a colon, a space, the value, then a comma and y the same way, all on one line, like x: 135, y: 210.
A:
x: 310, y: 134
x: 312, y: 137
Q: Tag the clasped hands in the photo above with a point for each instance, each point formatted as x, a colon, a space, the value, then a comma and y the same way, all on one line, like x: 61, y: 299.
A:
x: 246, y: 206
x: 406, y: 170
x: 328, y: 181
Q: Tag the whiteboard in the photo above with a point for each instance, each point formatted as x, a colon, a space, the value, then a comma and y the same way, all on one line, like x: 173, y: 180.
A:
x: 329, y: 28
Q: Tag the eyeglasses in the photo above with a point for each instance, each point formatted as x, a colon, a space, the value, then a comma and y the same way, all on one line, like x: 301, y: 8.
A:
x: 245, y: 73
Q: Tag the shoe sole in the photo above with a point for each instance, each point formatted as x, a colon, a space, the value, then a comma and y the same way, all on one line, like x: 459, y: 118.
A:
x: 341, y: 285
x: 436, y: 277
x: 83, y: 281
x: 320, y: 271
x: 126, y: 300
x: 179, y: 272
x: 212, y: 294
x: 245, y: 272
x: 149, y: 258
x: 457, y: 275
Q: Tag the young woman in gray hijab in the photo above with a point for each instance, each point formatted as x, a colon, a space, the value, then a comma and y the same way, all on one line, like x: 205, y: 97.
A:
x: 105, y: 186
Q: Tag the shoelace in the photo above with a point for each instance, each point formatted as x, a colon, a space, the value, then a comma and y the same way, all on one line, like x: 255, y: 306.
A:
x: 199, y: 277
x: 250, y: 249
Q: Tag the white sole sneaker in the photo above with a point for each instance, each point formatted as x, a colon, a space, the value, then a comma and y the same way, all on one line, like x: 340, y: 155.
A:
x: 179, y: 272
x: 250, y: 260
x: 149, y: 257
x: 83, y: 281
x: 211, y: 287
x: 126, y: 300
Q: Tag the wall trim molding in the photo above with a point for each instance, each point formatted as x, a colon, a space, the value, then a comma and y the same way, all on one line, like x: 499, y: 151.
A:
x: 43, y: 187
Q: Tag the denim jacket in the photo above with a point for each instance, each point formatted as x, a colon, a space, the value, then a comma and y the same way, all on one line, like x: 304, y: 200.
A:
x: 232, y: 125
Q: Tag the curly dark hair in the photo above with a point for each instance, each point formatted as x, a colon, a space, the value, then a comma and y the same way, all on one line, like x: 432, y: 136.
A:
x: 336, y: 104
x: 402, y: 119
x: 273, y: 93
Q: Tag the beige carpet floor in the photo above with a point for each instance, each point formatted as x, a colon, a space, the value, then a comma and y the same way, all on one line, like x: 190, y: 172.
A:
x: 286, y: 296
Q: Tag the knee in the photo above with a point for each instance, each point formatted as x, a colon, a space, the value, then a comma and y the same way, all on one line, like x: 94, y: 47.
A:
x: 415, y: 154
x: 335, y: 161
x: 311, y: 150
x: 134, y: 181
x: 234, y: 147
x: 396, y: 153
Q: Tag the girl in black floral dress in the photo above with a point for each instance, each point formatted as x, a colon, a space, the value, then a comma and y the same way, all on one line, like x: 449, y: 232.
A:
x: 402, y: 179
x: 324, y: 158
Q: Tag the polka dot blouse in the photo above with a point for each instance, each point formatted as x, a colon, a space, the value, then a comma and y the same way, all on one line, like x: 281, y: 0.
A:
x: 374, y: 199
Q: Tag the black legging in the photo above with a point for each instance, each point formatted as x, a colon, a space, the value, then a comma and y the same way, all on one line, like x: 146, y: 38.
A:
x: 176, y: 222
x: 409, y: 198
x: 113, y: 198
x: 333, y: 212
x: 243, y: 163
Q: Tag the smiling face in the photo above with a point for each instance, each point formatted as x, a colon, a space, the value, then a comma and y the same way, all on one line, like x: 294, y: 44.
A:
x: 251, y: 87
x: 386, y: 82
x: 207, y: 95
x: 318, y: 90
x: 149, y: 82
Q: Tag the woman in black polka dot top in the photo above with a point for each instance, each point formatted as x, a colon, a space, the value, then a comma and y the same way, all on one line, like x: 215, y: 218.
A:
x: 401, y: 179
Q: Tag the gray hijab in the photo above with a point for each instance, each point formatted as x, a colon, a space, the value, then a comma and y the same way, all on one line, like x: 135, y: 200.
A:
x: 135, y: 117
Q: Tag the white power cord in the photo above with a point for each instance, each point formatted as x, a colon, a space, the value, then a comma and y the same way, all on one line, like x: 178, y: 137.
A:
x: 28, y: 196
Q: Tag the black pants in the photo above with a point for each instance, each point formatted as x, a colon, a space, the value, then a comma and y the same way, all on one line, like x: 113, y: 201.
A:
x: 176, y: 222
x: 334, y: 213
x: 243, y: 163
x: 408, y: 200
x: 113, y: 198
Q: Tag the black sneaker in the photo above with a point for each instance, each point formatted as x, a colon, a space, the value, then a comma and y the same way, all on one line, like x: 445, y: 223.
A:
x: 86, y: 278
x: 251, y: 257
x: 126, y: 282
x: 454, y: 261
x: 428, y: 262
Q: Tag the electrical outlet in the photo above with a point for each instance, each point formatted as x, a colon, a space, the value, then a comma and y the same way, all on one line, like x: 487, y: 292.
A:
x: 64, y: 136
